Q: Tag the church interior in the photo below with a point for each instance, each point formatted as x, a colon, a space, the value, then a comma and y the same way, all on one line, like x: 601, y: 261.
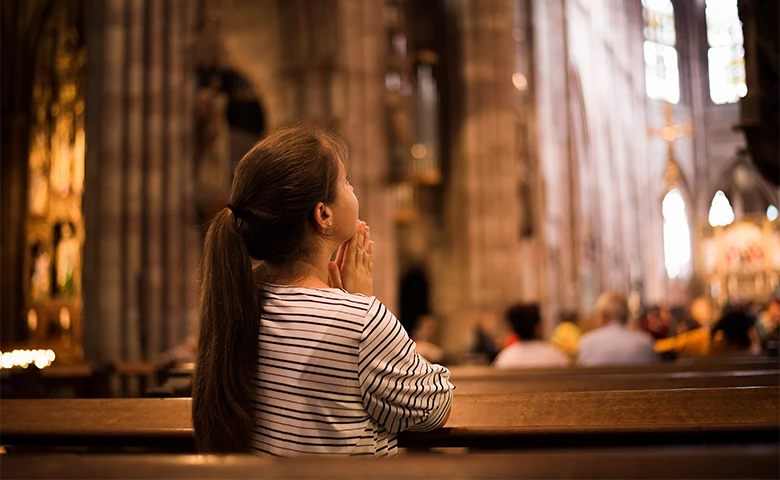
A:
x: 516, y: 160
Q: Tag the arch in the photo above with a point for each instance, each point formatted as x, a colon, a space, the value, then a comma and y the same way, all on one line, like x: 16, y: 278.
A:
x: 256, y: 54
x: 726, y: 174
x: 681, y: 183
x: 229, y: 121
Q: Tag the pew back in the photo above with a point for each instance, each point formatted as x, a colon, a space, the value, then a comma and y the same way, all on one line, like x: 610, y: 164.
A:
x: 756, y: 461
x: 524, y: 420
x: 502, y: 384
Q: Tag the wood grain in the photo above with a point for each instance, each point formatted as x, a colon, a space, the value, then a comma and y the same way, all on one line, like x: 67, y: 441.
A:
x: 739, y: 414
x: 756, y: 461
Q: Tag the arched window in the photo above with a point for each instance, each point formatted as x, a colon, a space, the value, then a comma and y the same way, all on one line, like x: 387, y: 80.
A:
x: 662, y: 76
x: 677, y: 236
x: 721, y: 213
x: 726, y: 54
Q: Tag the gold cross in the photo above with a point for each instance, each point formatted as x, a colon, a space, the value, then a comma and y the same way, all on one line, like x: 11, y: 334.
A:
x: 671, y: 132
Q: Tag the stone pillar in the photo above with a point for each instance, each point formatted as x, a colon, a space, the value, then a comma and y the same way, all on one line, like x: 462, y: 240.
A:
x: 173, y: 213
x: 361, y: 110
x: 482, y: 271
x: 105, y: 127
x: 559, y: 247
x: 192, y: 232
x: 154, y: 144
x: 333, y: 69
x: 134, y: 176
x: 136, y: 207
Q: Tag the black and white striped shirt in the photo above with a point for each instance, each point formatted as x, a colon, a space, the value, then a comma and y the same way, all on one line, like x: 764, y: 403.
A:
x: 337, y: 374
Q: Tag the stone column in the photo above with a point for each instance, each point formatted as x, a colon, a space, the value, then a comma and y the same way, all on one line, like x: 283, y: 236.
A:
x: 483, y: 268
x: 174, y: 220
x: 361, y: 113
x: 105, y: 125
x: 154, y: 145
x: 134, y: 185
x: 333, y: 69
x: 136, y: 207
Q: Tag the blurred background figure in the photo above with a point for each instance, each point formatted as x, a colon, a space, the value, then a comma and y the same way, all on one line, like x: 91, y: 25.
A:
x: 613, y: 343
x: 734, y: 333
x: 425, y: 336
x: 768, y: 323
x: 530, y: 350
x: 656, y: 321
x: 567, y: 333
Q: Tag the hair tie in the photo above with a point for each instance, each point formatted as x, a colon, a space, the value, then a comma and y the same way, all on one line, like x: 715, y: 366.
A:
x: 234, y: 210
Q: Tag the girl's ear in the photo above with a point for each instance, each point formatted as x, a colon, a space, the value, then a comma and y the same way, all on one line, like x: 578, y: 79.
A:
x: 323, y: 217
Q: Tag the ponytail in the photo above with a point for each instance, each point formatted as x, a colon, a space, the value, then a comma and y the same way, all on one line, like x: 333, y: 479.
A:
x: 223, y: 383
x: 275, y: 187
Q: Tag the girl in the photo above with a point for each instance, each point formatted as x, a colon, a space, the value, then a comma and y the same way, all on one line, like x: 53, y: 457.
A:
x: 295, y: 356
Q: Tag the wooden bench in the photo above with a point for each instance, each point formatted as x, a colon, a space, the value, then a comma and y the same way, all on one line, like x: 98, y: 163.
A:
x: 754, y: 461
x: 77, y: 380
x: 582, y: 382
x: 610, y: 418
x: 524, y: 420
x: 700, y: 365
x: 708, y: 372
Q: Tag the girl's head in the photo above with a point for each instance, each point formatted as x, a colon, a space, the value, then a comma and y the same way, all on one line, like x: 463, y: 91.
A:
x: 290, y: 200
x: 291, y: 191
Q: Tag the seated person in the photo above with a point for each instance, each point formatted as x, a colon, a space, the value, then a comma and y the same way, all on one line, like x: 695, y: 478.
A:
x: 768, y: 324
x: 530, y: 350
x: 613, y: 343
x: 691, y: 344
x: 566, y: 335
x: 735, y: 333
x: 695, y: 341
x: 424, y: 335
x: 656, y: 322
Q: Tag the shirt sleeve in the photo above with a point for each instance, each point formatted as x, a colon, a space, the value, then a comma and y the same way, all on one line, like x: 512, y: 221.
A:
x: 400, y: 390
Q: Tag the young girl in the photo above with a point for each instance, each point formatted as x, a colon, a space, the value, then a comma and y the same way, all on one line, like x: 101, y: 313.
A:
x: 295, y: 356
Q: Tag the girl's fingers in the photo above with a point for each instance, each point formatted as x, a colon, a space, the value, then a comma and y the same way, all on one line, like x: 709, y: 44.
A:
x: 370, y: 256
x: 360, y: 248
x: 351, y: 250
x: 340, y: 255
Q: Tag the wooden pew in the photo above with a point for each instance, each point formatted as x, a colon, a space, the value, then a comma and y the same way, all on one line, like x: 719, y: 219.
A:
x: 77, y: 380
x: 611, y: 418
x: 524, y: 420
x: 708, y: 372
x: 582, y: 382
x: 85, y: 380
x: 755, y: 461
x: 692, y: 365
x: 158, y: 424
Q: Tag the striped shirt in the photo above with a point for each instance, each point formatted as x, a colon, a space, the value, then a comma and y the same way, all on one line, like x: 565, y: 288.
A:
x: 337, y: 374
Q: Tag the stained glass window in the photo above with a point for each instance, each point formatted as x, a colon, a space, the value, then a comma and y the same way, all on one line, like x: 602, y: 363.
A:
x: 677, y: 236
x: 726, y: 54
x: 662, y: 76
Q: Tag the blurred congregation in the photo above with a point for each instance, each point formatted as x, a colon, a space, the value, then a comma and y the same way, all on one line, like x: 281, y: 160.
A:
x: 660, y: 334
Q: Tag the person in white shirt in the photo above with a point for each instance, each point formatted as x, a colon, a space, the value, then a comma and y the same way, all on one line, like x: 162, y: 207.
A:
x: 613, y: 343
x: 530, y: 350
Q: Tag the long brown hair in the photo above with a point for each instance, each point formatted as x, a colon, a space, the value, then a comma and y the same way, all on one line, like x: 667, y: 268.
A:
x: 269, y: 218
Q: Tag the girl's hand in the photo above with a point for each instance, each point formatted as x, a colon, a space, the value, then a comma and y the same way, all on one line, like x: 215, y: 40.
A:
x: 354, y: 265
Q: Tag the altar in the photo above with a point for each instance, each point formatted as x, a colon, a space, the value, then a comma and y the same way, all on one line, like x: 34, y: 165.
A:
x: 742, y: 260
